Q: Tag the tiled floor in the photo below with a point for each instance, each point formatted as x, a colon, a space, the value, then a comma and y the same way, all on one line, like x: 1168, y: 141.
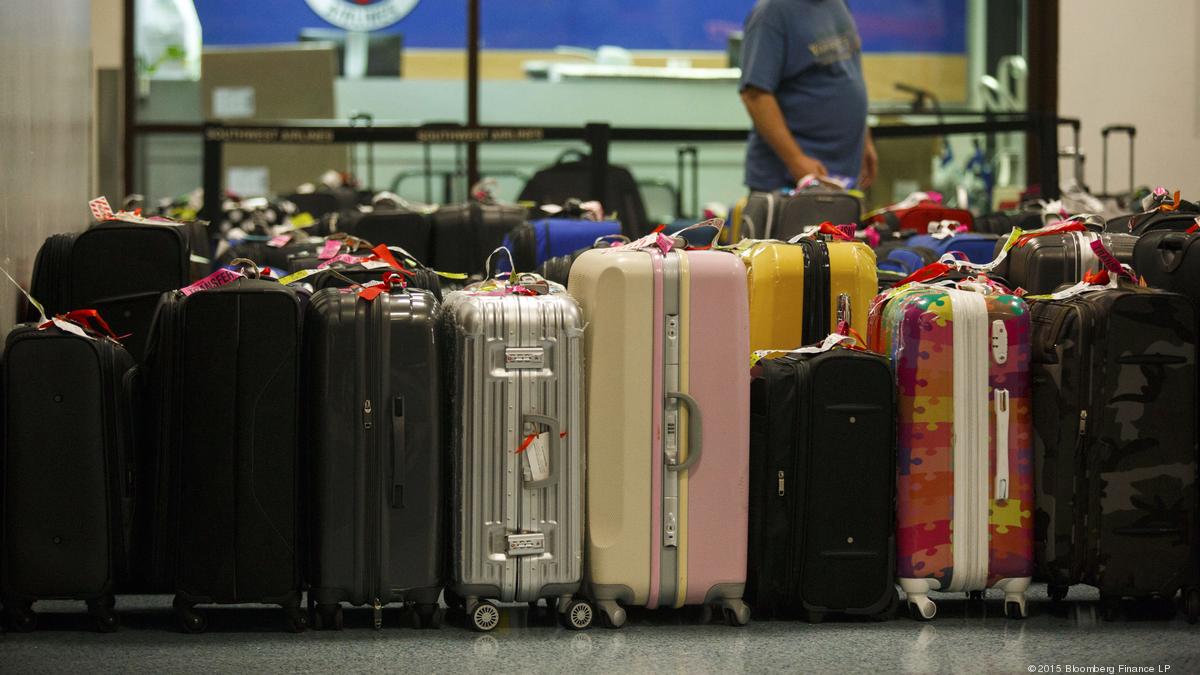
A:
x: 965, y: 637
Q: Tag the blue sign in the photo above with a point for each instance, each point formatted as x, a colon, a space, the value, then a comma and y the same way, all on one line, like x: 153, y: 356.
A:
x: 927, y: 26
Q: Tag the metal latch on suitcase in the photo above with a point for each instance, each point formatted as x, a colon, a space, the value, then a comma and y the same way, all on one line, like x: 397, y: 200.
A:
x: 526, y: 543
x: 521, y: 358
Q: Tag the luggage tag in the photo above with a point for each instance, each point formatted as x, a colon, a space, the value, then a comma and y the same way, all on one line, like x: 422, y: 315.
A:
x: 537, y: 457
x: 279, y: 240
x: 833, y: 340
x: 944, y: 229
x: 217, y: 279
x: 32, y: 302
x: 911, y: 201
x: 330, y: 249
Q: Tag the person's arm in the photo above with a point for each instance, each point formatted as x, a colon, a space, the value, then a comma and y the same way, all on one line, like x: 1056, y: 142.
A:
x: 769, y: 122
x: 870, y: 162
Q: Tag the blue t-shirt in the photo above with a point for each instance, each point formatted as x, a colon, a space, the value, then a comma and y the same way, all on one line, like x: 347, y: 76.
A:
x: 808, y: 53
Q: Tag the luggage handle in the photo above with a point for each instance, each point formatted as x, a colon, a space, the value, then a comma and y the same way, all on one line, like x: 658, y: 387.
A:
x: 1176, y: 243
x: 555, y: 449
x: 398, y: 447
x: 695, y: 431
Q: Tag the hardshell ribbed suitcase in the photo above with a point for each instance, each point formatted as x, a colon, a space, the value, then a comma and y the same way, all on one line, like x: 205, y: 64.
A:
x: 965, y: 485
x: 517, y: 434
x: 823, y: 466
x: 68, y: 468
x: 1114, y: 376
x: 121, y: 268
x: 811, y: 206
x: 376, y: 478
x: 224, y: 471
x: 666, y: 345
x: 1041, y: 264
x: 796, y: 289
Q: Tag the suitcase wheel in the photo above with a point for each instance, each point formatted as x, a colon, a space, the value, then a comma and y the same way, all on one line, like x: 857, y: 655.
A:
x: 1057, y: 593
x: 612, y: 615
x: 327, y: 617
x: 814, y: 617
x: 737, y: 613
x: 22, y: 618
x: 1191, y: 604
x: 578, y: 615
x: 428, y: 616
x: 104, y: 615
x: 295, y: 619
x: 975, y: 596
x: 1015, y: 608
x: 921, y: 608
x: 485, y: 616
x: 191, y: 620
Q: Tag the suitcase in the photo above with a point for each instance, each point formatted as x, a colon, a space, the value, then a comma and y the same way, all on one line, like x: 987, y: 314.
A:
x: 517, y: 433
x: 823, y: 466
x: 812, y: 205
x: 534, y: 243
x: 917, y: 218
x: 666, y: 344
x: 374, y: 423
x: 754, y: 216
x: 51, y: 283
x: 978, y: 247
x: 463, y: 235
x: 904, y: 260
x: 1170, y: 261
x: 1162, y: 211
x: 409, y: 230
x: 224, y: 470
x: 68, y: 468
x: 1115, y: 459
x: 1042, y: 262
x: 570, y: 177
x: 1003, y: 223
x: 795, y: 289
x: 965, y: 482
x: 558, y: 268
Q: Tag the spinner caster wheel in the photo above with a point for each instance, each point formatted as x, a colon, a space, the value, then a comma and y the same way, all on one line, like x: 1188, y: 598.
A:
x: 612, y: 615
x: 578, y: 616
x: 737, y: 613
x: 485, y: 616
x: 327, y: 617
x: 1191, y: 604
x: 22, y: 619
x: 1057, y: 593
x: 295, y: 620
x: 105, y: 616
x: 428, y: 616
x: 922, y: 609
x: 190, y: 619
x: 814, y: 617
x: 975, y: 596
x: 1015, y: 610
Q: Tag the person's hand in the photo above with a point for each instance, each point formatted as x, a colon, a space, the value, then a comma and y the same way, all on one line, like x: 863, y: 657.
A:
x: 805, y: 166
x: 870, y: 165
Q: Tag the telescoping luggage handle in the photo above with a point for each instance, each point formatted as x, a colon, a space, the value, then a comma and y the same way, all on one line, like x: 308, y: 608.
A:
x: 695, y: 434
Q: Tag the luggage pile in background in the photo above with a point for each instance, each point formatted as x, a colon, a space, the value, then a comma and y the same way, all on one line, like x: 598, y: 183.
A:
x: 393, y: 408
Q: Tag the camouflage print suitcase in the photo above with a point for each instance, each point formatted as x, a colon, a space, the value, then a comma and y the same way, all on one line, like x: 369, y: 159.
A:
x: 1114, y: 377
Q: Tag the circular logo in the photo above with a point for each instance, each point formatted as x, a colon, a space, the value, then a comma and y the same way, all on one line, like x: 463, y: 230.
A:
x: 362, y: 15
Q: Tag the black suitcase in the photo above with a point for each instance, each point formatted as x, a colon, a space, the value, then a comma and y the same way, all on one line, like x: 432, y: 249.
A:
x: 1179, y: 220
x: 224, y: 472
x: 121, y: 269
x: 570, y: 177
x: 1041, y: 264
x: 812, y: 206
x: 464, y: 235
x: 1004, y: 223
x: 51, y: 283
x: 1114, y: 391
x: 68, y: 470
x: 1170, y: 261
x: 343, y: 276
x: 374, y: 430
x: 823, y: 477
x: 409, y: 230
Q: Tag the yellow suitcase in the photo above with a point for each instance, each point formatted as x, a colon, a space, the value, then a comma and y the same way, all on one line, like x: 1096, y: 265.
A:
x: 796, y: 289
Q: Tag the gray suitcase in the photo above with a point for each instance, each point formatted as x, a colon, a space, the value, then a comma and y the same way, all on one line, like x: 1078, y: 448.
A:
x: 1044, y: 263
x: 515, y: 364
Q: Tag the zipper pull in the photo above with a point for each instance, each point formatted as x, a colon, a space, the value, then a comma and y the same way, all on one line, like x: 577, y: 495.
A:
x: 1082, y: 422
x: 781, y: 491
x: 377, y: 613
x: 367, y: 424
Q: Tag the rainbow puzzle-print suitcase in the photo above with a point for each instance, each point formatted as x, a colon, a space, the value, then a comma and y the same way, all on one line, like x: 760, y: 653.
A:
x: 965, y: 469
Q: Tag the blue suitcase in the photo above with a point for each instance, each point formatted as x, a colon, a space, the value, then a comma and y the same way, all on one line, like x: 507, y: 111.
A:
x: 534, y: 243
x: 979, y: 248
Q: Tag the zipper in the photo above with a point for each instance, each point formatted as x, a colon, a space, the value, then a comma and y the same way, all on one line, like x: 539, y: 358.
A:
x: 1089, y: 549
x: 971, y: 360
x: 374, y: 472
x: 804, y: 447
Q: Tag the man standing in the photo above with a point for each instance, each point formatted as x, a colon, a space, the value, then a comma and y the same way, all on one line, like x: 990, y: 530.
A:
x: 802, y: 84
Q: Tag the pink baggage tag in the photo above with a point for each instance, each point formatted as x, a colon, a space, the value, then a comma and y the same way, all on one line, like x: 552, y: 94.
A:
x: 279, y: 241
x: 331, y: 248
x: 344, y: 258
x: 214, y: 280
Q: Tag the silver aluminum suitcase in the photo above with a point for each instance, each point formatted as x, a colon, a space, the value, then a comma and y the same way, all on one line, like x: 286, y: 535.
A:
x: 515, y: 363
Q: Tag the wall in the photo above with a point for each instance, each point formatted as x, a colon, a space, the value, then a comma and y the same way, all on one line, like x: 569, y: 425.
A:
x: 45, y: 129
x: 1136, y: 63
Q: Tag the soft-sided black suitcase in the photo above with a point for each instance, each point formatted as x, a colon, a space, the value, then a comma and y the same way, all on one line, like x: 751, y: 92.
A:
x: 121, y: 268
x: 374, y: 431
x: 51, y: 283
x: 571, y: 178
x: 822, y: 466
x: 224, y: 471
x: 464, y: 235
x: 1114, y: 378
x: 343, y: 276
x: 68, y: 469
x: 409, y: 230
x: 1042, y: 264
x: 1170, y: 261
x: 1179, y: 220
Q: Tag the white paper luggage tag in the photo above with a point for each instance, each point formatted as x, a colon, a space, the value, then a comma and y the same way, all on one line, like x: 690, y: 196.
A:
x: 537, y: 457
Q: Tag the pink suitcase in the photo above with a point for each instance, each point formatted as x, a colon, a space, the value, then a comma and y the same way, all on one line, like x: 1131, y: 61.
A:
x: 666, y: 344
x: 965, y: 469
